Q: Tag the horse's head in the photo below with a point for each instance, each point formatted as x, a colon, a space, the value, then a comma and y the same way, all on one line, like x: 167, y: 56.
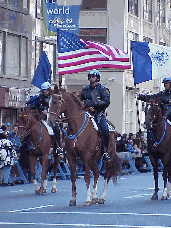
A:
x: 153, y: 114
x: 25, y: 122
x: 58, y: 104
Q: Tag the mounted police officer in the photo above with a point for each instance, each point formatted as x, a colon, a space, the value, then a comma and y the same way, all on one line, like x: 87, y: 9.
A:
x: 41, y: 104
x: 97, y: 98
x: 164, y: 96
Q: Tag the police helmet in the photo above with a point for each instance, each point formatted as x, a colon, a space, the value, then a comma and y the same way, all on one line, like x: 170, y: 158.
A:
x: 8, y: 124
x: 167, y: 79
x: 45, y: 86
x: 95, y: 73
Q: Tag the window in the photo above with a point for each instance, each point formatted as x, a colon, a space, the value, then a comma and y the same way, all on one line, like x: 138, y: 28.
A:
x: 21, y: 4
x: 39, y: 8
x: 16, y: 56
x: 129, y: 97
x: 2, y: 1
x: 50, y: 50
x: 38, y: 51
x: 161, y: 11
x: 131, y: 36
x: 1, y: 52
x: 94, y: 5
x: 23, y: 57
x: 12, y: 55
x: 99, y: 35
x: 148, y: 10
x: 147, y: 39
x: 133, y: 7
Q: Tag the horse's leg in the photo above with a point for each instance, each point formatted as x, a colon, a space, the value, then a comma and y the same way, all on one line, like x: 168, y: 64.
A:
x: 96, y: 176
x: 154, y: 162
x: 44, y: 163
x: 55, y: 169
x: 166, y: 189
x: 33, y: 161
x: 102, y: 199
x: 72, y: 163
x: 169, y: 180
x: 87, y: 180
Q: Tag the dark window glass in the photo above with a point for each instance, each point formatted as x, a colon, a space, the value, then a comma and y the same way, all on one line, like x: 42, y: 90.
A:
x: 99, y: 35
x: 94, y: 4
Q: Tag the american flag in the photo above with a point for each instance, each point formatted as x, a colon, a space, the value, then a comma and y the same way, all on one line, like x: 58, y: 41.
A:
x: 77, y: 55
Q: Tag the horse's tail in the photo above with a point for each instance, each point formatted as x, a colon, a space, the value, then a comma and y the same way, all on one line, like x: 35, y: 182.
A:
x: 113, y: 167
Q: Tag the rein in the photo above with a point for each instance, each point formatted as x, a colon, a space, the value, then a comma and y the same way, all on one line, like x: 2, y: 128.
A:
x: 152, y: 135
x: 30, y: 130
x: 73, y: 137
x: 152, y: 138
x: 32, y: 146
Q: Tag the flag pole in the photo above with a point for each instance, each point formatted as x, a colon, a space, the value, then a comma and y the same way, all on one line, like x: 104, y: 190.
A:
x: 57, y: 22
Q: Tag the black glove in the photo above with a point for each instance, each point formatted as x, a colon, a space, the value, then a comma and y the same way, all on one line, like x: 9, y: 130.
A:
x: 91, y: 103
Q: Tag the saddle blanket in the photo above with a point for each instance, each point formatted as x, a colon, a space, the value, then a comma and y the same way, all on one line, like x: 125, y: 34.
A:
x: 49, y: 128
x: 110, y: 127
x: 169, y: 122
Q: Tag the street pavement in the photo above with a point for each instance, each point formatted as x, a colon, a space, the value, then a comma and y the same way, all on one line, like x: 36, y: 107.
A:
x: 128, y: 204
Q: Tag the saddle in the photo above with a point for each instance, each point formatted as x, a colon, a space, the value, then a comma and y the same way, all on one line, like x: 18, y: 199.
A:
x: 95, y: 125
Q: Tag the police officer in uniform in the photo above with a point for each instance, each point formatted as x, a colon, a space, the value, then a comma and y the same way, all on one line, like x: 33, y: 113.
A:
x: 41, y: 104
x: 97, y: 98
x: 164, y: 96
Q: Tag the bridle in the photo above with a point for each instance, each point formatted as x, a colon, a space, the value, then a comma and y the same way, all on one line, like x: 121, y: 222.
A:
x: 153, y: 118
x: 26, y: 128
x: 57, y: 115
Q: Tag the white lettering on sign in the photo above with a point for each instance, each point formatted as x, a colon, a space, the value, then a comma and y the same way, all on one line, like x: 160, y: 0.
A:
x: 62, y: 10
x: 52, y: 1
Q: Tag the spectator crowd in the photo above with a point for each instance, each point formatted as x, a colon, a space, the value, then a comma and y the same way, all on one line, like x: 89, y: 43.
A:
x: 136, y: 144
x: 11, y: 150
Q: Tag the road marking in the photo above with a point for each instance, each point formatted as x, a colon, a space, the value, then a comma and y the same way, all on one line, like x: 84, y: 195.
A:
x: 78, y: 225
x: 32, y: 208
x: 17, y: 191
x: 87, y: 213
x: 139, y: 195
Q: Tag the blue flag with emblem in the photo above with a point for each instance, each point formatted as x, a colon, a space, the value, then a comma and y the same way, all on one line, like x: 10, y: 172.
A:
x: 42, y: 72
x: 150, y: 61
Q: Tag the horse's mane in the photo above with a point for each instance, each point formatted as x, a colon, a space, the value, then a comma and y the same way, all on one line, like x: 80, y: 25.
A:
x: 74, y: 95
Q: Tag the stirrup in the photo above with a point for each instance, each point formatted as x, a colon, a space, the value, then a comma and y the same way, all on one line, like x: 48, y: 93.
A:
x: 59, y: 151
x: 106, y: 157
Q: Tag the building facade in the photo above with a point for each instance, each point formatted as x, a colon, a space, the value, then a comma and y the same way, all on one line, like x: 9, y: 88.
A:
x: 23, y: 36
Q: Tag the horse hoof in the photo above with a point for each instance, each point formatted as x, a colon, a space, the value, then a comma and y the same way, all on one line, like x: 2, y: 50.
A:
x: 165, y: 197
x: 54, y: 190
x: 40, y: 191
x: 101, y: 201
x: 44, y: 191
x: 154, y: 197
x: 87, y: 203
x: 72, y: 203
x: 94, y: 201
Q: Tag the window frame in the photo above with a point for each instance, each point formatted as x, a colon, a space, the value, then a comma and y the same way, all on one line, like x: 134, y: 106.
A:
x: 22, y: 10
x: 133, y: 9
x: 19, y: 75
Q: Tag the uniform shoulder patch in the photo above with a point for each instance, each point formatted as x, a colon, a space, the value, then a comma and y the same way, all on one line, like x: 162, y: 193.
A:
x: 107, y: 91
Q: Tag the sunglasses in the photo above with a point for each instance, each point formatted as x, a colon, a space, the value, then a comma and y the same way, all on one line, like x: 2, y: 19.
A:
x: 91, y: 76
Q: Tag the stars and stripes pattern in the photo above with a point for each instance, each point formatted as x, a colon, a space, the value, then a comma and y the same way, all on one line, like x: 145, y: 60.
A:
x: 77, y: 55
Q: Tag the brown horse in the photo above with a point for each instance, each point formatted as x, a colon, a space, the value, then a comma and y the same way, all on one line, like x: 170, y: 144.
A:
x: 159, y: 145
x: 31, y: 129
x: 84, y: 143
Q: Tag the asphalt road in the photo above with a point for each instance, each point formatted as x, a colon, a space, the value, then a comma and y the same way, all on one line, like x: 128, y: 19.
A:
x: 127, y: 205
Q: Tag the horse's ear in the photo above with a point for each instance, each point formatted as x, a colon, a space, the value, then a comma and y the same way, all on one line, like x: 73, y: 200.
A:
x: 56, y: 89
